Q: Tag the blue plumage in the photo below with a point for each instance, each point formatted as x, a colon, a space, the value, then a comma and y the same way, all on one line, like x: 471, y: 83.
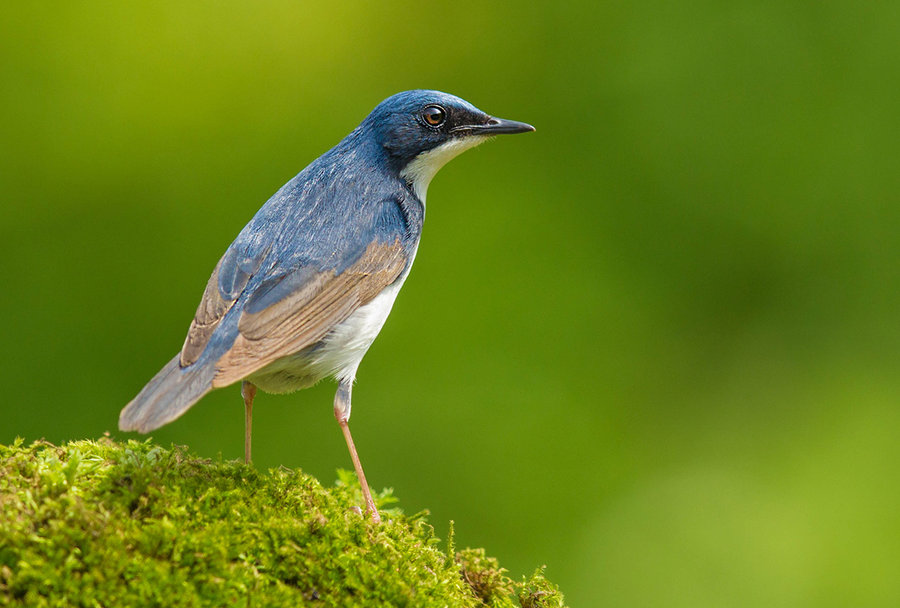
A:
x: 305, y: 287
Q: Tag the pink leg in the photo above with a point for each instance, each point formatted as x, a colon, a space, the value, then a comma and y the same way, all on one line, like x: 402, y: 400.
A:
x: 342, y: 413
x: 248, y: 392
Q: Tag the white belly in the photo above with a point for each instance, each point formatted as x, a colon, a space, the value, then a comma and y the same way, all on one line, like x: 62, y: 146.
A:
x: 338, y: 355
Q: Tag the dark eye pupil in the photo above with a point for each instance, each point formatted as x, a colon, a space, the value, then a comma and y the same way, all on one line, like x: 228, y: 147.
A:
x: 434, y: 116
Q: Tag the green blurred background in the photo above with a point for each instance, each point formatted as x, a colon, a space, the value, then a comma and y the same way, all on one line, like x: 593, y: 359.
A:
x: 654, y: 345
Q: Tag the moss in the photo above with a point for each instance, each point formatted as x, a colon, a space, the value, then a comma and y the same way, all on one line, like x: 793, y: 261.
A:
x: 100, y: 523
x: 484, y: 576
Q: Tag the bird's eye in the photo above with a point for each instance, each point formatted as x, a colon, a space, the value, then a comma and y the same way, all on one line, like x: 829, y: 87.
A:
x: 434, y: 115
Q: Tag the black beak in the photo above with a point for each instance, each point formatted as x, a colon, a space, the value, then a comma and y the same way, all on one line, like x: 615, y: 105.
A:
x: 497, y: 126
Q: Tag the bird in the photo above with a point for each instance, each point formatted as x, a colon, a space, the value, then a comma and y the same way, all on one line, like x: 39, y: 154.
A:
x: 302, y: 292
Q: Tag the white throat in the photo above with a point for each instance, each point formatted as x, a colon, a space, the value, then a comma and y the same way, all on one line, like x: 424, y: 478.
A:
x: 422, y: 168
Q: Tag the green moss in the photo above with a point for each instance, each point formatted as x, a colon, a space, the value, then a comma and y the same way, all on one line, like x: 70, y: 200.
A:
x: 99, y: 523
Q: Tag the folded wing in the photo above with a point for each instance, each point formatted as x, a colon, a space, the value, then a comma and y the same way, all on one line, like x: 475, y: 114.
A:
x: 289, y: 313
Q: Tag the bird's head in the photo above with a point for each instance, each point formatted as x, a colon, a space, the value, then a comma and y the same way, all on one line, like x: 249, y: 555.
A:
x: 422, y: 130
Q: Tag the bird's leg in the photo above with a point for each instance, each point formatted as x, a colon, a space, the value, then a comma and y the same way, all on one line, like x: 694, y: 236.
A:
x: 342, y: 413
x: 248, y: 392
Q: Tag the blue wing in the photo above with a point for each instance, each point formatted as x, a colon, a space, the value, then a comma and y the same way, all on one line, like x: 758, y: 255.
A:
x: 307, y: 244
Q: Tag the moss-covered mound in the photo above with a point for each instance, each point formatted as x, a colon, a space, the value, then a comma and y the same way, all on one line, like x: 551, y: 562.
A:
x: 108, y: 524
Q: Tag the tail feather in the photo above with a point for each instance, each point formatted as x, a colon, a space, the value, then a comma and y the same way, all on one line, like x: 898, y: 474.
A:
x: 167, y: 396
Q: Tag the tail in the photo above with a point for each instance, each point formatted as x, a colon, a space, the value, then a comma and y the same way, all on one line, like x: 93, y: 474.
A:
x: 171, y: 392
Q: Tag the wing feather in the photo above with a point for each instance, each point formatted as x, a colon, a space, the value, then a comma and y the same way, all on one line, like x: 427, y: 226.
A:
x: 210, y: 311
x: 225, y: 285
x: 306, y: 315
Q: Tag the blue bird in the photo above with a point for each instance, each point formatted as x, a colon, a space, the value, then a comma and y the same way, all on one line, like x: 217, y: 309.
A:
x: 306, y: 286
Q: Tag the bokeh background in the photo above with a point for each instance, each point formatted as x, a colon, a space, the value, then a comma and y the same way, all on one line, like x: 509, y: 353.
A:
x: 653, y: 345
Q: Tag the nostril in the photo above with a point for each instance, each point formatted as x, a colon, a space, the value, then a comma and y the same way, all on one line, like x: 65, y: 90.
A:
x: 493, y: 121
